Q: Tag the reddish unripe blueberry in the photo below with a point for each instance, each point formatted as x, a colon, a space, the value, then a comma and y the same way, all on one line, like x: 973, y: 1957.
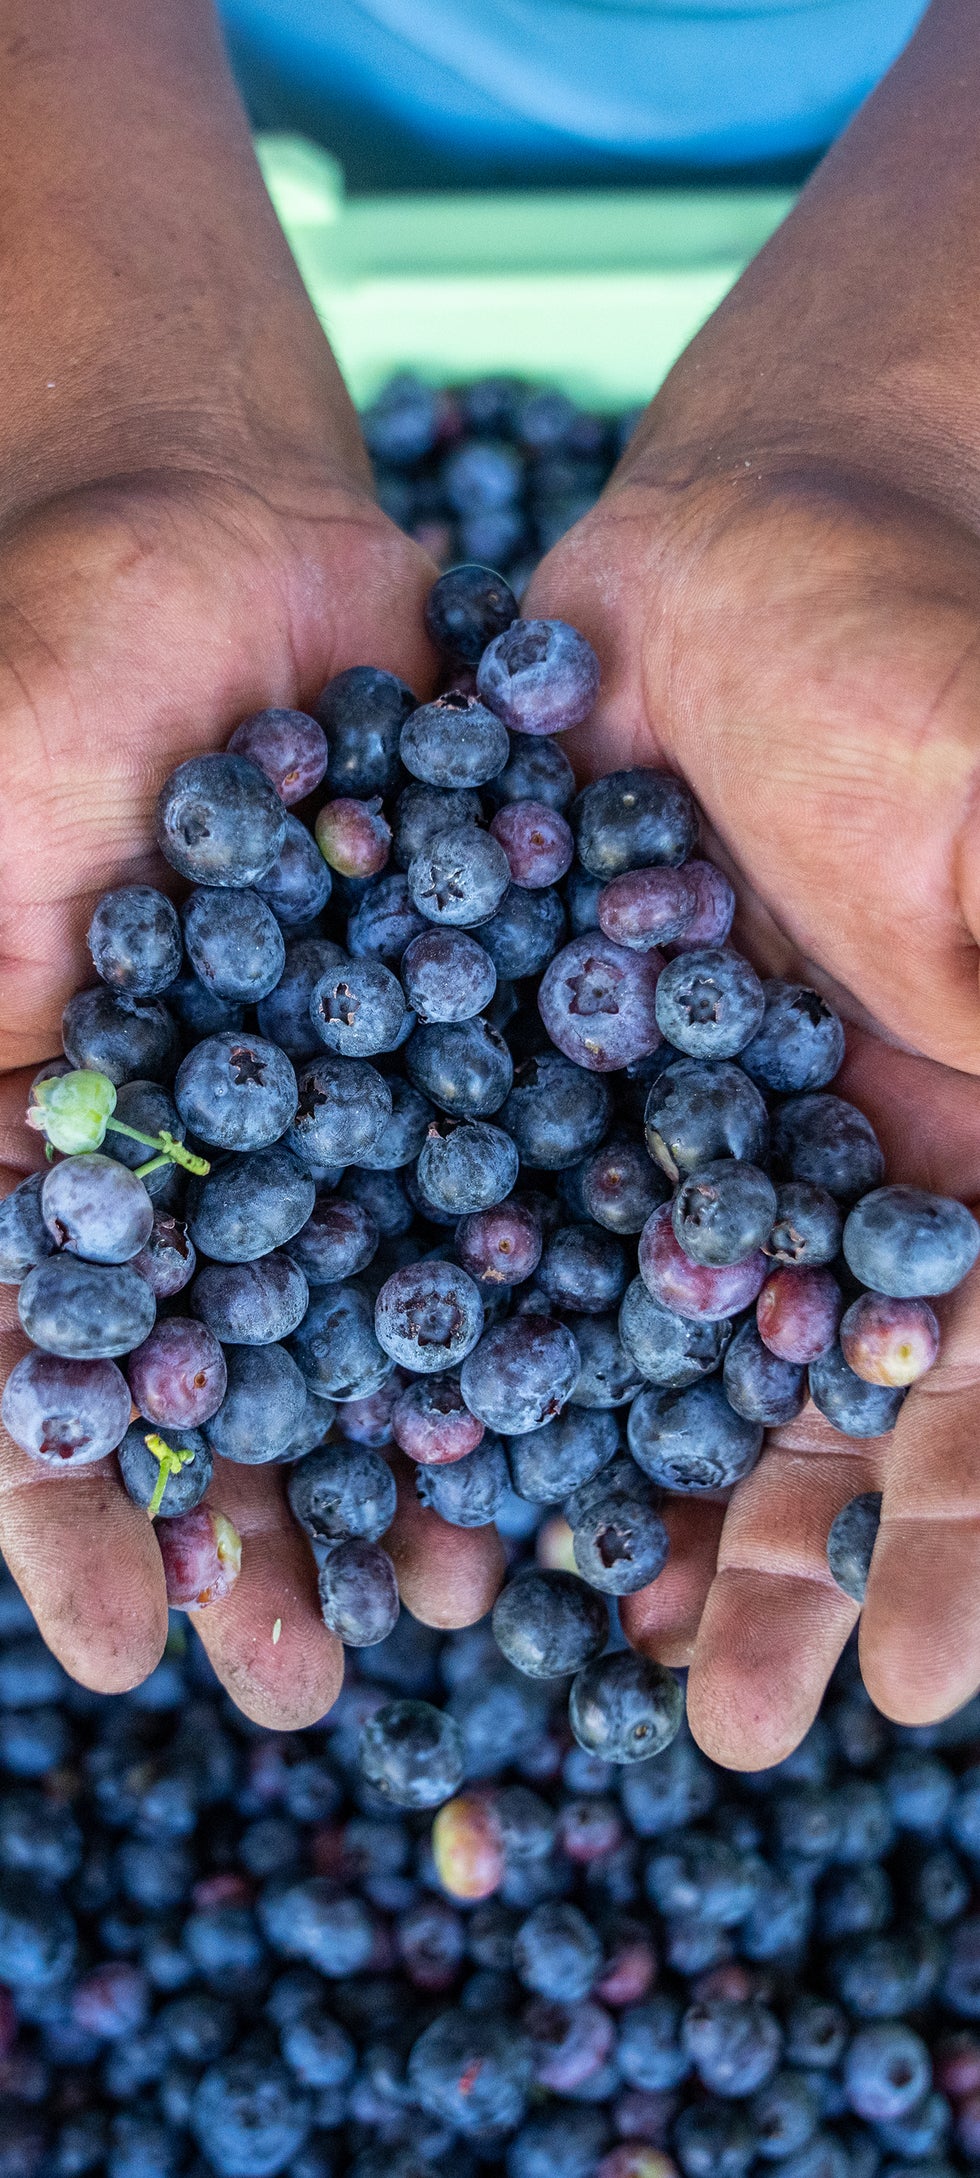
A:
x: 112, y: 2000
x: 555, y: 1546
x: 798, y: 1311
x: 353, y: 836
x: 645, y: 908
x: 537, y: 842
x: 692, y: 1289
x: 288, y: 746
x: 569, y: 2042
x: 224, y: 1888
x: 714, y: 907
x: 502, y: 1246
x: 178, y: 1377
x: 637, y: 2159
x: 432, y: 1423
x: 202, y: 1558
x: 630, y: 1970
x: 889, y: 1342
x: 589, y: 1828
x: 956, y: 2066
x: 467, y: 1847
x: 368, y: 1420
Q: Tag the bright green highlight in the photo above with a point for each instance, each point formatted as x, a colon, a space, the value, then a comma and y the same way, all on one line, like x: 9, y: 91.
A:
x: 171, y: 1462
x: 73, y: 1112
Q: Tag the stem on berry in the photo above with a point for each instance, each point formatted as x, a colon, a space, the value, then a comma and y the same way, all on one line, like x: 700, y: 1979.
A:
x: 168, y: 1150
x: 170, y: 1463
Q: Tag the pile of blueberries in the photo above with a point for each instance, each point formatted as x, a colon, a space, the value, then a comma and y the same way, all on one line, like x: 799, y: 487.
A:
x: 224, y: 1955
x: 441, y: 1115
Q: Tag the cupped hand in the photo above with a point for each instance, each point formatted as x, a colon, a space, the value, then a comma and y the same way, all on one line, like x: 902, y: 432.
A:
x: 138, y: 623
x: 805, y: 649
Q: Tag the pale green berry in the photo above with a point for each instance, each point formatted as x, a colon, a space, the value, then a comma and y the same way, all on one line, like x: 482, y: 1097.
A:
x: 73, y: 1110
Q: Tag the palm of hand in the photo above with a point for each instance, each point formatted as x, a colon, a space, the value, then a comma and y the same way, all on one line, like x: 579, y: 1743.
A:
x: 810, y: 660
x: 136, y: 627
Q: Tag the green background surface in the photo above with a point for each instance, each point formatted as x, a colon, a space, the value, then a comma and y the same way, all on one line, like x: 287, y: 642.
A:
x: 596, y: 292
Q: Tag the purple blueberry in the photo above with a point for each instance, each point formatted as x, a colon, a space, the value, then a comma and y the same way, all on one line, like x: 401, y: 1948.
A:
x: 429, y: 1316
x: 289, y: 747
x: 536, y: 841
x: 95, y: 1207
x: 446, y: 975
x: 598, y: 1003
x: 66, y: 1413
x: 540, y: 676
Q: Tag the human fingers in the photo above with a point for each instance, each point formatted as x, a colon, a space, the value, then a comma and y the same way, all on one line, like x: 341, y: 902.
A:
x: 447, y: 1576
x: 662, y: 1621
x: 267, y: 1640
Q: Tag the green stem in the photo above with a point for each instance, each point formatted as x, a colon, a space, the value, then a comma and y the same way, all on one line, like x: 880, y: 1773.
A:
x: 171, y: 1463
x: 168, y: 1149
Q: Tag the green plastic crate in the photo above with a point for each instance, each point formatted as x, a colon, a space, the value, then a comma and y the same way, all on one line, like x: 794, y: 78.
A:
x: 596, y: 292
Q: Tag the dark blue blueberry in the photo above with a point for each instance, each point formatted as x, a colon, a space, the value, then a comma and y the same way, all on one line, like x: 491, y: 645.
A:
x: 540, y: 676
x: 249, y: 2116
x: 37, y: 1936
x: 336, y: 1348
x: 284, y: 1016
x: 343, y: 1491
x: 691, y: 1440
x: 621, y: 1187
x: 713, y: 2142
x: 338, y: 1239
x: 723, y: 1212
x: 140, y: 1469
x: 482, y: 475
x: 464, y: 1168
x: 703, y: 1878
x: 39, y: 1837
x: 382, y: 1195
x: 854, y: 1902
x: 781, y: 1920
x: 465, y: 609
x: 236, y: 1092
x: 851, y: 1542
x: 262, y: 1406
x: 297, y: 885
x: 525, y: 932
x: 404, y: 1131
x: 317, y: 2049
x: 247, y: 1206
x: 251, y: 1304
x: 363, y: 711
x: 734, y: 2046
x: 961, y: 1977
x: 446, y: 975
x: 85, y: 1311
x: 625, y: 1708
x: 429, y: 1316
x: 669, y: 1350
x: 608, y: 1375
x: 549, y: 1624
x: 799, y: 1043
x: 816, y: 2033
x: 669, y: 1794
x: 698, y: 1112
x: 649, y: 2050
x: 454, y: 742
x: 342, y: 1107
x: 582, y: 1268
x: 557, y: 1953
x: 884, y: 1977
x: 521, y: 1374
x: 199, y: 1012
x: 920, y: 1790
x: 219, y: 822
x: 465, y: 1067
x: 134, y: 940
x: 825, y: 1140
x: 887, y: 2071
x: 904, y: 1242
x: 634, y: 820
x: 234, y: 943
x: 555, y: 1112
x: 709, y: 1003
x: 855, y: 1408
x: 561, y: 2142
x: 421, y: 814
x: 130, y: 1039
x: 619, y: 1541
x: 313, y: 1426
x: 358, y: 1592
x: 472, y: 2072
x: 24, y: 1237
x: 919, y: 2134
x: 759, y: 1386
x: 412, y: 1754
x: 312, y: 1920
x: 358, y: 1009
x: 468, y: 1492
x: 460, y: 878
x: 536, y: 771
x: 807, y: 1225
x: 550, y: 1463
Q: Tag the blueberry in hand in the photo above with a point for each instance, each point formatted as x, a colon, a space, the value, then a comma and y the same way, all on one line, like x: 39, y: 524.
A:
x: 691, y: 1440
x: 338, y: 1239
x: 698, y: 1112
x: 454, y: 742
x: 353, y: 836
x: 904, y: 1242
x: 134, y: 940
x: 264, y: 1402
x: 669, y: 1349
x: 536, y: 841
x: 249, y: 1205
x: 465, y: 609
x: 125, y: 1038
x: 621, y: 1186
x: 887, y: 1341
x: 358, y: 1009
x: 540, y: 676
x: 598, y: 1003
x: 709, y: 1003
x: 363, y: 711
x: 723, y: 1212
x: 799, y: 1043
x: 465, y: 1067
x: 446, y: 975
x: 624, y: 1708
x: 823, y: 1139
x: 466, y: 1167
x: 547, y: 1464
x: 556, y: 1112
x: 468, y: 1492
x: 620, y: 1542
x: 412, y: 1754
x: 632, y: 820
x: 760, y: 1386
x: 298, y: 884
x: 95, y: 1207
x: 460, y: 878
x: 807, y: 1226
x: 178, y: 1375
x: 521, y: 1374
x: 139, y: 1467
x: 289, y: 747
x: 428, y: 1316
x: 432, y: 1423
x: 336, y: 1348
x: 854, y: 1407
x: 798, y: 1312
x: 342, y: 1107
x: 219, y: 822
x: 851, y: 1543
x: 236, y: 1092
x: 336, y: 1493
x: 358, y: 1593
x: 85, y: 1311
x: 536, y: 771
x: 65, y: 1412
x: 251, y: 1304
x: 698, y: 1290
x: 549, y: 1624
x: 24, y: 1236
x: 525, y: 932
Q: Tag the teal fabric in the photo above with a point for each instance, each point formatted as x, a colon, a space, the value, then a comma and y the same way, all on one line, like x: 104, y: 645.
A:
x: 539, y: 89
